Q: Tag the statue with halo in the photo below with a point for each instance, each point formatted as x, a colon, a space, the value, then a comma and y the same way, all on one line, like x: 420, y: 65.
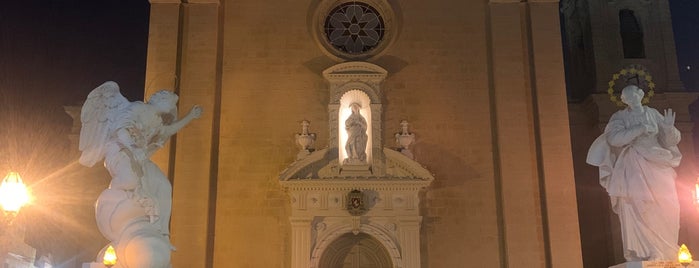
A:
x: 134, y: 212
x: 636, y: 155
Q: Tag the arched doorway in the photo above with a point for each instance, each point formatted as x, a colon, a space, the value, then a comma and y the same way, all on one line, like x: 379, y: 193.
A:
x: 355, y: 251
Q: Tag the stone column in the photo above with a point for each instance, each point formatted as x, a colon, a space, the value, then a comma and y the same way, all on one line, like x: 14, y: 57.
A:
x: 301, y: 239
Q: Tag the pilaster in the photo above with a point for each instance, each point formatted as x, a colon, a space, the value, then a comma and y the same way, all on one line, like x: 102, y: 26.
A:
x: 410, y: 240
x: 522, y: 237
x: 162, y: 60
x: 301, y: 238
x: 560, y: 217
x: 536, y: 189
x: 183, y: 55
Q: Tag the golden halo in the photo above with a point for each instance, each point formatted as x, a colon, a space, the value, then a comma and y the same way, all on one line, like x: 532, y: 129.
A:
x: 633, y: 71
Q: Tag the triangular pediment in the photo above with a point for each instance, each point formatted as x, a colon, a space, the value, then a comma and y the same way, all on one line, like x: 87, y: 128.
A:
x: 321, y: 165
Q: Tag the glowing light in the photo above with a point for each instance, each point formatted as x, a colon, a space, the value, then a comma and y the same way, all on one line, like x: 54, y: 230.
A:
x: 684, y: 256
x: 110, y: 258
x: 13, y: 193
x: 354, y: 96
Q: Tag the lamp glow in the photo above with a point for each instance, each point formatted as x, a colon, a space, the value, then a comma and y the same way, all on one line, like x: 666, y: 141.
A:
x: 695, y: 196
x: 13, y: 193
x: 109, y: 259
x: 684, y: 256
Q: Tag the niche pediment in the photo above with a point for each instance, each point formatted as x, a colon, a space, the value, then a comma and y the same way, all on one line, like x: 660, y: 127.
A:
x: 322, y: 165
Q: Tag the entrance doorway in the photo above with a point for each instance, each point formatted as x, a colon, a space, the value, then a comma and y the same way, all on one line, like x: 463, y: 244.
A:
x: 355, y: 251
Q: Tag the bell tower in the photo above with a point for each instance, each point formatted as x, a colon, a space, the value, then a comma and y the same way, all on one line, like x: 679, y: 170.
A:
x: 604, y: 36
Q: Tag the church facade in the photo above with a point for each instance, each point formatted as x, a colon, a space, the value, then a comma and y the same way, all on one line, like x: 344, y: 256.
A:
x: 485, y: 180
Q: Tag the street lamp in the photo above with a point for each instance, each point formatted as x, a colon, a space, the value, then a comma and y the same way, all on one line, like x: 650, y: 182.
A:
x: 109, y: 259
x: 13, y: 195
x: 683, y: 256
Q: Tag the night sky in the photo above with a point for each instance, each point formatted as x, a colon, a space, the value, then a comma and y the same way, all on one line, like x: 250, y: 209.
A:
x: 685, y: 24
x: 54, y: 52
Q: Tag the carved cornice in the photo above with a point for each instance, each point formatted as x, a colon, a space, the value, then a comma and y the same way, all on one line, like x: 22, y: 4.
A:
x: 399, y: 168
x: 355, y: 70
x: 355, y: 184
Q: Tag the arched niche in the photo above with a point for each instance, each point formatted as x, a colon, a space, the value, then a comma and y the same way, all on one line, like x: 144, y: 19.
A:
x: 349, y: 99
x: 356, y: 82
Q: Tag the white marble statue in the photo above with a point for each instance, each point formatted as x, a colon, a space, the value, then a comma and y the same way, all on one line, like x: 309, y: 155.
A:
x: 134, y: 212
x: 356, y: 127
x: 636, y: 155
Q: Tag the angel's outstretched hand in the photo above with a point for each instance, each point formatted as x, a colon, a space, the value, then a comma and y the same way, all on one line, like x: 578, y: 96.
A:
x: 196, y: 111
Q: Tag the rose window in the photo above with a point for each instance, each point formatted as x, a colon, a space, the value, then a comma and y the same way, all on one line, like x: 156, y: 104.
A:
x: 354, y: 28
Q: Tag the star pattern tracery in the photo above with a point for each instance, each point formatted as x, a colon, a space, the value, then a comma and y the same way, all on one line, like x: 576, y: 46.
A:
x: 354, y: 28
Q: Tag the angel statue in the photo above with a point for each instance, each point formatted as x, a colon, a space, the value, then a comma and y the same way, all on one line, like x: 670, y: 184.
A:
x: 134, y: 212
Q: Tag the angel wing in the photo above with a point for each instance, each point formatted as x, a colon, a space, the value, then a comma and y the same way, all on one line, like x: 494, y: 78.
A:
x: 98, y: 114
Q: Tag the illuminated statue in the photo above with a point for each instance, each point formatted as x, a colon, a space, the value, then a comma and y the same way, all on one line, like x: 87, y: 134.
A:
x: 356, y: 127
x: 636, y: 155
x: 134, y: 212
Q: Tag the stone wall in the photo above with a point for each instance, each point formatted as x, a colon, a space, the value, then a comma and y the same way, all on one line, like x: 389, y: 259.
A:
x: 481, y: 84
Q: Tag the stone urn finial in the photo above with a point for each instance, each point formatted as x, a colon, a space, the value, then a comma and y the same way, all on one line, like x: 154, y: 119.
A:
x: 404, y: 139
x: 305, y: 140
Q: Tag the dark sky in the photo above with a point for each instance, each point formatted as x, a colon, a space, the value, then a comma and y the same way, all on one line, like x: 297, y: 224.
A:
x: 685, y: 23
x: 53, y: 53
x: 63, y: 45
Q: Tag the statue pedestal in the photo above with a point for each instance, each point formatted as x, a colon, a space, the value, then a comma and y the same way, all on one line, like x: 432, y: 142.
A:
x: 93, y: 265
x: 355, y: 170
x: 655, y: 264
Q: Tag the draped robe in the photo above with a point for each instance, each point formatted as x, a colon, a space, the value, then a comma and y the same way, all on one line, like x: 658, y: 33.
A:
x: 636, y: 155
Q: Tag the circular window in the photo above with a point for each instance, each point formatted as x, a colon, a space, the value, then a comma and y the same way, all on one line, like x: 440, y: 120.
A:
x: 354, y: 28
